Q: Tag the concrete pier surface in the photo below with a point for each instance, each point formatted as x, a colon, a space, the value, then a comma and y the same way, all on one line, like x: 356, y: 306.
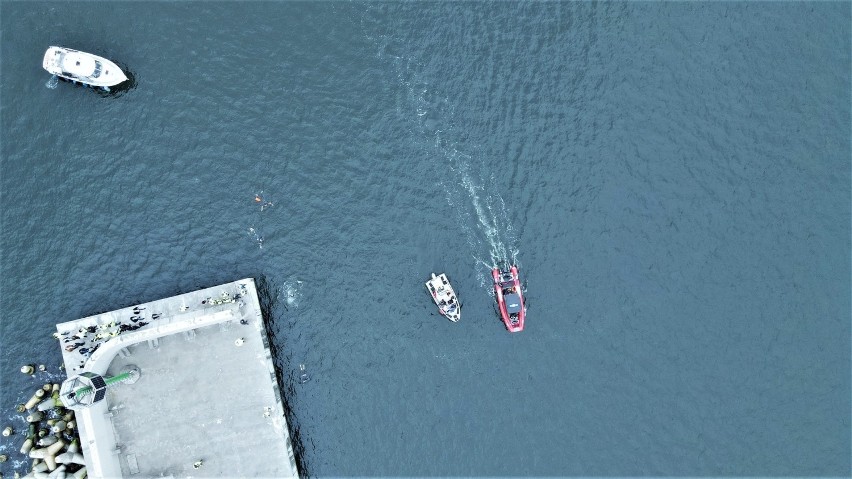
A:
x: 206, y: 403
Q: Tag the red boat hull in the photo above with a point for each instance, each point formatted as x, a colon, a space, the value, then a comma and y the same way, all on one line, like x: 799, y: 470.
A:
x: 514, y: 321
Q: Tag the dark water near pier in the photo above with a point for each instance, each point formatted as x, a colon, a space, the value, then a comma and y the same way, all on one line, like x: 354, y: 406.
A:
x: 672, y: 178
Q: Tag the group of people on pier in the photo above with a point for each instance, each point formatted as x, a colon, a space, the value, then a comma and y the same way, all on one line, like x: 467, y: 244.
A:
x: 86, y: 340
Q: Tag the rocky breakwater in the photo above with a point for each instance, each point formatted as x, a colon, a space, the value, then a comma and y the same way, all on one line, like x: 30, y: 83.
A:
x: 50, y: 438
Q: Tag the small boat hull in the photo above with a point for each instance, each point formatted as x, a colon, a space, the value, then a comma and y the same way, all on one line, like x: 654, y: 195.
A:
x: 82, y: 67
x: 444, y: 296
x: 510, y: 298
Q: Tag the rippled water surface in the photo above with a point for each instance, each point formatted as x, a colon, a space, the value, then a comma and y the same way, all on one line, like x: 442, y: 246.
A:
x: 673, y: 180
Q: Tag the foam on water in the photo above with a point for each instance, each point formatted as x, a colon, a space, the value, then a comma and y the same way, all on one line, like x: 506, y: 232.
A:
x: 255, y: 236
x: 291, y: 292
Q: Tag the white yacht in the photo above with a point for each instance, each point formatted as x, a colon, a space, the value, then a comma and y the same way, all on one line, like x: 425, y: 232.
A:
x: 82, y: 67
x: 444, y: 296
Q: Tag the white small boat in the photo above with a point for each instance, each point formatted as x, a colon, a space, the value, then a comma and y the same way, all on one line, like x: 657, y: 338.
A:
x: 444, y: 296
x: 82, y: 67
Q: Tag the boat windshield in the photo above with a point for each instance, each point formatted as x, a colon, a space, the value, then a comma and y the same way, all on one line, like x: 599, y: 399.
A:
x: 513, y: 303
x: 97, y: 71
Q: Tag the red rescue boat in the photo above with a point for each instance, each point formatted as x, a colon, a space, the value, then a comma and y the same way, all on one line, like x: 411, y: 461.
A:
x: 507, y: 289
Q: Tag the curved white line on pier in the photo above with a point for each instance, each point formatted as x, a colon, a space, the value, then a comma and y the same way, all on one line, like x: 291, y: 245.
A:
x: 104, y: 461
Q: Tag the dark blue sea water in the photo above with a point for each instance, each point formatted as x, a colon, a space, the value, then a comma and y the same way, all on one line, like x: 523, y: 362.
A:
x: 673, y: 180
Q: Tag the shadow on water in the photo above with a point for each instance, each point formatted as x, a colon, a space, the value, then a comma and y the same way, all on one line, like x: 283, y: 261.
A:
x: 267, y: 296
x: 113, y: 92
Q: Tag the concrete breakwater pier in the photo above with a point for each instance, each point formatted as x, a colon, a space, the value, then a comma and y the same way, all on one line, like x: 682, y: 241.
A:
x: 178, y: 387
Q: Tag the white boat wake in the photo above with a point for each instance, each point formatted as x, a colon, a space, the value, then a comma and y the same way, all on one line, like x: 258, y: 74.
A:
x: 471, y: 188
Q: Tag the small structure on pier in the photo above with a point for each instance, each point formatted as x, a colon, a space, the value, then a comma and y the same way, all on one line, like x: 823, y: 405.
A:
x: 87, y: 388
